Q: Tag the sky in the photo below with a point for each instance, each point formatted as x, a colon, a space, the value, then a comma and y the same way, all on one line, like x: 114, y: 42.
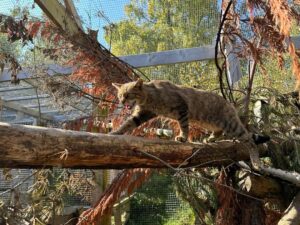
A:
x: 110, y: 11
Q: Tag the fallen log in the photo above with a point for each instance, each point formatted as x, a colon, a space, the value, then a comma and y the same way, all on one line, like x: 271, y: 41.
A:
x: 38, y: 147
x: 259, y: 186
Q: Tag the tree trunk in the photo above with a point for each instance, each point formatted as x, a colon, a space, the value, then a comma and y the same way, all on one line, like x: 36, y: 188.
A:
x: 235, y: 208
x: 252, y: 211
x: 38, y: 147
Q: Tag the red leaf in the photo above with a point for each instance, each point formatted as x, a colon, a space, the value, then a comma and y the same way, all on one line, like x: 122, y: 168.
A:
x: 33, y: 28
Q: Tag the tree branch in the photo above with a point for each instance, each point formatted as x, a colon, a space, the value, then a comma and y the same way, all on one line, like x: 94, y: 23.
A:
x: 36, y: 147
x: 218, y: 40
x: 39, y: 147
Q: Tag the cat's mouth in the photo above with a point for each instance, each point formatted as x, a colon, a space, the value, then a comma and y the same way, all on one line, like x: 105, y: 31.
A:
x: 130, y: 105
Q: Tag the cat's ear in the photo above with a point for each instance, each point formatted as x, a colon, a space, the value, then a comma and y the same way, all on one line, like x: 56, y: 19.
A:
x: 117, y: 85
x: 139, y: 83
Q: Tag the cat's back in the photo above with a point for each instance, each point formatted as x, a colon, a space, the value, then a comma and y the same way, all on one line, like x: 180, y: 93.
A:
x: 199, y: 102
x: 169, y: 88
x: 162, y: 84
x: 211, y: 110
x: 189, y: 94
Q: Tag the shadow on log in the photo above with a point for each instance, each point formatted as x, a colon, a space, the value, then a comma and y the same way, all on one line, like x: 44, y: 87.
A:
x: 39, y: 147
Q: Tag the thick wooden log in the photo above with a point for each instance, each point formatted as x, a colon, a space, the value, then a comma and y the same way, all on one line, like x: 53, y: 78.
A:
x: 38, y: 147
x: 259, y: 186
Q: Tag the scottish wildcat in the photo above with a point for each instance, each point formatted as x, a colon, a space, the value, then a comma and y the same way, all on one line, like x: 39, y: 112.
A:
x: 162, y: 98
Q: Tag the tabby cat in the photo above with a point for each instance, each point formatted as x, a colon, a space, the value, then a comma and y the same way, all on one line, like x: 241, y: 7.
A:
x: 163, y: 98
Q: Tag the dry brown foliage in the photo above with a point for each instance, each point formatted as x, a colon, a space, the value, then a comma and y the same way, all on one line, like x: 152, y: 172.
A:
x: 281, y: 15
x: 277, y: 28
x: 126, y: 180
x: 228, y: 212
x: 16, y: 30
x: 92, y: 63
x: 272, y: 217
x: 14, y: 68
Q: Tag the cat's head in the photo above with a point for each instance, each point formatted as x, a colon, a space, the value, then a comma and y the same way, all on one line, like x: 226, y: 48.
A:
x: 131, y: 94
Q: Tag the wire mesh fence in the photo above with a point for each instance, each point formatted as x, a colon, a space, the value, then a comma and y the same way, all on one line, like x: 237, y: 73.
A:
x: 12, y: 180
x: 201, y: 74
x: 139, y: 26
x: 157, y: 202
x: 189, y: 23
x: 12, y: 7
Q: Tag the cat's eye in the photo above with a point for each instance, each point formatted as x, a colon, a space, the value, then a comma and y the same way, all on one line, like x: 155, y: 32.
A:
x: 130, y: 95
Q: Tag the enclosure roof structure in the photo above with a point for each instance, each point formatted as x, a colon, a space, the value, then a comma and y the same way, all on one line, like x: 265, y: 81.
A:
x: 26, y: 103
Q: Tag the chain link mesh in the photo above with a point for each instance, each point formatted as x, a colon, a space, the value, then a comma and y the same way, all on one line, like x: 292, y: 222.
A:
x: 156, y: 202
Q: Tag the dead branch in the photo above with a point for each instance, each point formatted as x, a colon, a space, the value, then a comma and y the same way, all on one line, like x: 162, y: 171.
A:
x: 292, y: 177
x: 218, y: 40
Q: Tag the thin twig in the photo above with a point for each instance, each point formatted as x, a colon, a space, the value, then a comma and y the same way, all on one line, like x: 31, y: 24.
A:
x: 181, y: 171
x: 218, y: 39
x: 110, y: 56
x: 85, y: 94
x: 157, y: 158
x: 209, y: 163
x: 187, y: 159
x: 223, y: 185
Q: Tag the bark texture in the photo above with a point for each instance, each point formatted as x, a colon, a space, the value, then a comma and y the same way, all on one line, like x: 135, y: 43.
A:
x: 259, y: 186
x: 38, y: 147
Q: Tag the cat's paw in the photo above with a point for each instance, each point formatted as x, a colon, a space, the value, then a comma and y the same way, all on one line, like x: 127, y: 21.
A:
x: 181, y: 138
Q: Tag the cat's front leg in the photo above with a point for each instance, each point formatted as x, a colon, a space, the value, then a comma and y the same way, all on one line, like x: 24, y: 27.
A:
x: 134, y: 121
x: 128, y: 125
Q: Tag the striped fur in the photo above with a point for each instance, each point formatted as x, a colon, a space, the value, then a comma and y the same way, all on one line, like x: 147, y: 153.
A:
x: 162, y: 98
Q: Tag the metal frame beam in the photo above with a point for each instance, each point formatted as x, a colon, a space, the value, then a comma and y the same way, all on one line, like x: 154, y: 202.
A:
x: 179, y: 55
x: 51, y: 111
x: 71, y: 9
x: 170, y: 57
x: 59, y: 15
x: 25, y: 110
x: 29, y: 97
x: 7, y: 89
x: 296, y: 41
x: 37, y: 106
